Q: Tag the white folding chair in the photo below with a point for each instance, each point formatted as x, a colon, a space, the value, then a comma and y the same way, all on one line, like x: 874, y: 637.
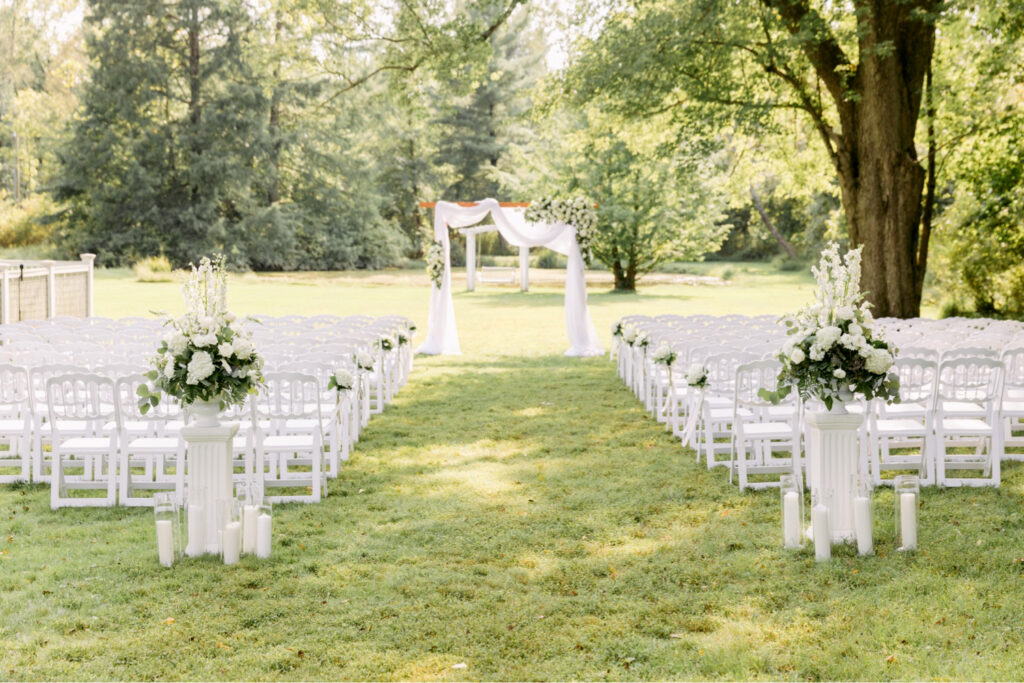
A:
x: 82, y: 462
x: 905, y: 426
x: 1012, y: 408
x: 976, y: 382
x: 151, y: 459
x: 15, y: 424
x: 771, y: 431
x: 289, y: 451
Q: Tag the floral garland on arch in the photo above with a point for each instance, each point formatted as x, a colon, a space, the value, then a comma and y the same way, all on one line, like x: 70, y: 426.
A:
x: 435, y: 263
x: 835, y: 352
x: 207, y: 354
x: 578, y: 212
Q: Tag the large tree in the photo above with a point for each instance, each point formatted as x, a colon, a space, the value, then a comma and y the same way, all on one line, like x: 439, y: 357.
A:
x: 858, y: 69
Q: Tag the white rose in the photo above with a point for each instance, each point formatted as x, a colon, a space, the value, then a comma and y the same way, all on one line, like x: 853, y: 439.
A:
x: 344, y: 379
x: 878, y: 361
x: 817, y: 353
x: 855, y: 330
x: 199, y: 368
x: 225, y: 350
x: 797, y: 356
x: 202, y: 340
x: 846, y: 313
x: 839, y: 373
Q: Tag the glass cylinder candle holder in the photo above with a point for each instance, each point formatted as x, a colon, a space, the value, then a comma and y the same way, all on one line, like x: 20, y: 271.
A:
x: 263, y: 529
x: 792, y: 502
x: 231, y: 531
x: 821, y: 530
x: 863, y: 515
x: 168, y: 527
x: 907, y: 491
x: 248, y: 503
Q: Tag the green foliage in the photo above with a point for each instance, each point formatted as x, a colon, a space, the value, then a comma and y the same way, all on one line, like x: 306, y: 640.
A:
x: 28, y: 223
x: 153, y: 269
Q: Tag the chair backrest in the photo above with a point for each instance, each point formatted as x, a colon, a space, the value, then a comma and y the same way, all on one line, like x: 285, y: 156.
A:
x: 15, y: 390
x: 754, y: 376
x: 126, y: 390
x: 1013, y: 364
x: 969, y: 352
x: 287, y: 396
x: 975, y: 380
x: 917, y: 379
x: 919, y: 352
x: 80, y: 396
x: 722, y: 370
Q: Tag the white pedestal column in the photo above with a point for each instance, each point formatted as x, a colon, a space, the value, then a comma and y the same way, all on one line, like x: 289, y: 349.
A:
x: 524, y: 269
x: 833, y: 452
x: 209, y: 480
x: 470, y: 261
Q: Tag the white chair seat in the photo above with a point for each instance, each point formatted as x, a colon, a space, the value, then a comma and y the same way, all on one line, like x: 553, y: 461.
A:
x: 1013, y: 409
x: 962, y: 408
x: 899, y: 427
x: 12, y: 425
x: 286, y: 441
x: 83, y: 444
x: 966, y: 426
x: 904, y: 409
x: 782, y: 412
x: 767, y: 430
x: 162, y: 444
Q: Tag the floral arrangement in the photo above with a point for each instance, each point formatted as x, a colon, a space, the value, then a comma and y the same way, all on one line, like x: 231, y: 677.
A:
x: 664, y: 355
x: 435, y: 263
x: 578, y: 212
x: 363, y: 360
x: 697, y: 376
x: 617, y: 329
x: 403, y: 339
x: 642, y: 340
x: 629, y: 335
x: 834, y: 351
x: 386, y: 343
x: 206, y: 355
x: 342, y: 380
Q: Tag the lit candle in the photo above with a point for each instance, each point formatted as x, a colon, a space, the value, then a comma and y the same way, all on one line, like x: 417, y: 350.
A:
x: 862, y: 524
x: 908, y: 520
x: 822, y: 533
x: 195, y: 530
x: 165, y: 542
x: 791, y: 519
x: 232, y: 542
x: 263, y: 536
x: 249, y: 513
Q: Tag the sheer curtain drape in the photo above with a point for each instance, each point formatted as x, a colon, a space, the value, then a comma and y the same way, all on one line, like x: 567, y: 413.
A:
x: 442, y: 335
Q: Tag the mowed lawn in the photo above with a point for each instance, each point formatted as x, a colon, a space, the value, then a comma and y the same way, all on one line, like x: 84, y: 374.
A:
x: 513, y: 515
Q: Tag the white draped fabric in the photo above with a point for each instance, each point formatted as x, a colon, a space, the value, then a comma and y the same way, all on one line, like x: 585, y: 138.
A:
x: 442, y: 335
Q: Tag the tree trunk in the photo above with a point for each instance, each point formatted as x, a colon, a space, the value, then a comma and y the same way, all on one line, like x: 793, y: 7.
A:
x: 274, y: 124
x: 878, y: 102
x: 768, y: 223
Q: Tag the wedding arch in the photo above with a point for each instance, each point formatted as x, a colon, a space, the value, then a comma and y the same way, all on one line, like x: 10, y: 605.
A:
x: 442, y: 335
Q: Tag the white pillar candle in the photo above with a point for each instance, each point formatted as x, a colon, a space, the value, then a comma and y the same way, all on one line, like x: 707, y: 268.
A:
x: 862, y: 524
x: 196, y: 537
x: 822, y: 534
x: 249, y: 514
x: 791, y: 519
x: 232, y: 542
x: 263, y: 536
x: 908, y: 520
x: 165, y: 541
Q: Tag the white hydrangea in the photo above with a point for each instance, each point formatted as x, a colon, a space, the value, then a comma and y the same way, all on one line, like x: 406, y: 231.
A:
x: 878, y: 361
x: 846, y: 312
x: 695, y: 374
x: 629, y: 335
x: 243, y: 347
x: 177, y: 343
x: 364, y: 360
x: 204, y: 340
x: 828, y: 336
x: 199, y: 368
x: 344, y: 379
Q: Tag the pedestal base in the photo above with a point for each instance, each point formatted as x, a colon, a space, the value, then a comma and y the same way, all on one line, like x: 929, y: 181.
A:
x: 210, y: 484
x: 833, y: 454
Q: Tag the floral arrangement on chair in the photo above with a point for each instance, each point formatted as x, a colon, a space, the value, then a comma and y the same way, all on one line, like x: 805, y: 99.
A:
x: 697, y: 376
x: 578, y: 212
x: 363, y: 360
x: 435, y: 263
x: 835, y: 352
x: 617, y: 329
x: 342, y: 380
x: 386, y: 343
x: 207, y: 354
x: 664, y: 355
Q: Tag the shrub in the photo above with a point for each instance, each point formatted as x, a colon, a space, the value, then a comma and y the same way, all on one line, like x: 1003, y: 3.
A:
x: 27, y: 223
x: 153, y: 269
x: 550, y: 259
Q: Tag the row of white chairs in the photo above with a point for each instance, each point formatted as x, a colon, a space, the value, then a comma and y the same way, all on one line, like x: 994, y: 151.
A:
x: 83, y: 418
x: 960, y: 407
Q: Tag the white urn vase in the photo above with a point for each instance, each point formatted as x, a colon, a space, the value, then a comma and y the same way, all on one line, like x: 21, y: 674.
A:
x: 205, y: 413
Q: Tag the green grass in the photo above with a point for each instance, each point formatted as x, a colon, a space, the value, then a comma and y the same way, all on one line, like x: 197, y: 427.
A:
x: 517, y: 512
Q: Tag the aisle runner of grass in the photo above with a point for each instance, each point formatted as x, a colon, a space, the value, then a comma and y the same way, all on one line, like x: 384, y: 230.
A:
x: 523, y: 517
